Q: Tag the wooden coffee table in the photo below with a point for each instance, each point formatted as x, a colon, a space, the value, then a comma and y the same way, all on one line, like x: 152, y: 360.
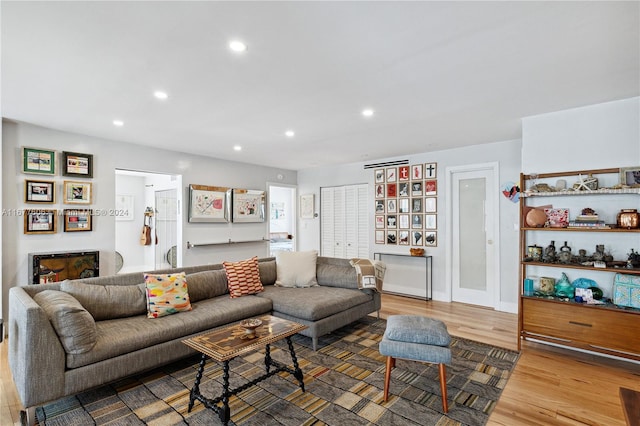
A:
x: 228, y: 342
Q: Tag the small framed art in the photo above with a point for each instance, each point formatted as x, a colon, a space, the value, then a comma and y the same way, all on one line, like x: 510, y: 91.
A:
x: 431, y: 187
x: 403, y: 173
x: 430, y: 221
x: 77, y: 192
x: 38, y: 191
x: 630, y: 176
x: 416, y: 221
x: 380, y: 221
x: 40, y: 221
x: 403, y: 238
x: 379, y: 175
x: 392, y: 174
x: 75, y: 164
x: 416, y: 172
x: 38, y: 161
x: 248, y: 205
x: 379, y: 237
x: 430, y: 205
x: 307, y: 206
x: 78, y: 220
x: 416, y: 238
x: 430, y: 170
x: 208, y: 203
x: 392, y: 237
x: 430, y: 238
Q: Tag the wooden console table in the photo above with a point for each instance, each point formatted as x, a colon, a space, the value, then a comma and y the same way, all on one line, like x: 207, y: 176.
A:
x: 428, y: 271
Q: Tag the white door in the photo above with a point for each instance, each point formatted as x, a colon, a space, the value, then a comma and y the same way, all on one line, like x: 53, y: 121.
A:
x: 474, y: 205
x: 344, y: 221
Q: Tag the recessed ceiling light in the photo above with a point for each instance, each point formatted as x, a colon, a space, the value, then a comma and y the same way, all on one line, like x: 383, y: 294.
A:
x: 237, y: 148
x: 237, y: 46
x: 367, y: 112
x: 289, y: 133
x: 118, y: 123
x: 160, y: 94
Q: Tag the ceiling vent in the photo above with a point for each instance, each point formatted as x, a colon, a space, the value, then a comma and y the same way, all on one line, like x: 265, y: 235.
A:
x: 387, y: 164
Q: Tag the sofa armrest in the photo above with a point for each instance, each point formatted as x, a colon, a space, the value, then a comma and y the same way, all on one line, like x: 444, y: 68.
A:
x: 36, y: 357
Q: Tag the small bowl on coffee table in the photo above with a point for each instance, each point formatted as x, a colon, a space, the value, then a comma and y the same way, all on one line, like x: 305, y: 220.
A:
x: 250, y: 325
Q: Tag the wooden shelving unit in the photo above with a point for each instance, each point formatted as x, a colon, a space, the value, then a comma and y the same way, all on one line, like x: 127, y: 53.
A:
x: 605, y: 329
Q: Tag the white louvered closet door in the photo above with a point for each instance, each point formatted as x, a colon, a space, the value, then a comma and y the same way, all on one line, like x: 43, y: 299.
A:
x: 345, y: 222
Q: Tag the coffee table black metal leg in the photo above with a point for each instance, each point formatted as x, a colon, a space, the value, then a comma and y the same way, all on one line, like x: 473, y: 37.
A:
x: 297, y: 372
x: 267, y: 357
x: 195, y: 390
x: 225, y: 411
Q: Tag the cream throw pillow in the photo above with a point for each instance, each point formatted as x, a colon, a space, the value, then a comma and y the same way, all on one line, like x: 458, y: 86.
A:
x: 296, y: 268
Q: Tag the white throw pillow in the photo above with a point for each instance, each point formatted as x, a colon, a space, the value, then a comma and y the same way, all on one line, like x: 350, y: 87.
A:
x: 296, y: 268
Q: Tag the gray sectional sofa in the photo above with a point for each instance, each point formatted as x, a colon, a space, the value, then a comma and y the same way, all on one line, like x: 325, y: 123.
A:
x: 127, y: 342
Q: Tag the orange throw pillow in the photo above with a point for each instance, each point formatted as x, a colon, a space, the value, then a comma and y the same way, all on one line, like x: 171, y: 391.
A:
x: 243, y: 277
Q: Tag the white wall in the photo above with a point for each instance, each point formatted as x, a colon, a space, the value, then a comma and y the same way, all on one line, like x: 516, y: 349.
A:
x: 284, y: 223
x: 108, y: 156
x: 592, y: 137
x: 128, y: 232
x: 507, y: 154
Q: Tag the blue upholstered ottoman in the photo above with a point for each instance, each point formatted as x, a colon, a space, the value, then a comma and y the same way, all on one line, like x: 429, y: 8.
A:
x: 416, y: 338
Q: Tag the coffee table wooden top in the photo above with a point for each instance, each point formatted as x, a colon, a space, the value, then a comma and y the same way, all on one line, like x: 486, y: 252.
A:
x: 228, y: 342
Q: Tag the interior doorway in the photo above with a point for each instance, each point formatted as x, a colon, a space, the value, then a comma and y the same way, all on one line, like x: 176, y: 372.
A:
x: 282, y: 218
x: 473, y: 218
x: 149, y: 235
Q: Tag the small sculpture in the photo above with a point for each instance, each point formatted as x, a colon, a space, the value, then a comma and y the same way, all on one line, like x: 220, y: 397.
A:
x: 550, y: 253
x: 565, y: 254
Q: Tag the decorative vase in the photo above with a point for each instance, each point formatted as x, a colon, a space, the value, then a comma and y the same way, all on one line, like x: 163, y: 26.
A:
x: 628, y: 218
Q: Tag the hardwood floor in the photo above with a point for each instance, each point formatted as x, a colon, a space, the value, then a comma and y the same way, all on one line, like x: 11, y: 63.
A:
x: 550, y: 386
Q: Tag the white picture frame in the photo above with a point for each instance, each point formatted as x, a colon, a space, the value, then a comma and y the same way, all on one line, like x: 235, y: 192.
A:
x: 307, y: 206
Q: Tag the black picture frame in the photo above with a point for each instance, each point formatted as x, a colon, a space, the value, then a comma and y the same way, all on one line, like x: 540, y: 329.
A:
x: 76, y: 164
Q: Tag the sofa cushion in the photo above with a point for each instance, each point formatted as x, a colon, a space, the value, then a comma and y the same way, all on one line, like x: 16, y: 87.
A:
x: 206, y: 284
x: 126, y: 335
x: 73, y: 324
x: 313, y: 303
x: 296, y: 268
x: 243, y: 277
x: 336, y: 273
x: 108, y: 301
x: 166, y: 294
x: 268, y: 272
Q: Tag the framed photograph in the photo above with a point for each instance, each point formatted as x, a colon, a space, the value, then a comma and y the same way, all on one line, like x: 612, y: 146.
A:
x: 380, y: 206
x: 208, y: 203
x: 38, y: 161
x: 416, y: 172
x: 430, y: 238
x: 77, y: 220
x: 392, y: 174
x: 392, y: 190
x: 392, y: 205
x: 403, y: 238
x: 403, y: 173
x: 416, y: 188
x: 379, y: 237
x: 392, y: 221
x: 77, y: 192
x: 392, y: 237
x: 403, y: 205
x: 380, y: 192
x: 630, y: 176
x: 307, y: 206
x: 378, y: 175
x: 430, y: 205
x: 431, y: 187
x: 38, y: 191
x: 403, y: 221
x: 40, y: 221
x: 403, y: 189
x: 248, y: 205
x: 416, y: 221
x: 416, y: 238
x: 430, y: 221
x: 430, y: 170
x: 77, y: 165
x: 124, y: 207
x: 380, y: 221
x: 416, y: 205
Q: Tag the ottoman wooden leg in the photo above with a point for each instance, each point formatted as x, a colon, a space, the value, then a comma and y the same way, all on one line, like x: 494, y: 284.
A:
x: 391, y: 362
x: 443, y: 387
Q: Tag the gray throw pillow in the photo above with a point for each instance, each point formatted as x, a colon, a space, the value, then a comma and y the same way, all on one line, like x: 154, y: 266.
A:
x: 108, y: 301
x: 73, y: 324
x: 206, y: 284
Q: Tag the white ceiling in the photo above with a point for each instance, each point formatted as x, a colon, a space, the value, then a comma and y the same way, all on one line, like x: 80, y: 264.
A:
x: 439, y: 75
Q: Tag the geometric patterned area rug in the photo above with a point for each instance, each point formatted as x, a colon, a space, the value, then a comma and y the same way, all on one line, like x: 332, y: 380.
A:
x: 344, y: 382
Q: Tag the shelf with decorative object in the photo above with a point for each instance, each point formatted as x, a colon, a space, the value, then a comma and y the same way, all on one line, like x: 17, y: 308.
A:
x: 612, y: 228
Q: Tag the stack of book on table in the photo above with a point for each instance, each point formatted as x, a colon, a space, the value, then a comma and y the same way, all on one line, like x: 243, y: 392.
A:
x: 591, y: 221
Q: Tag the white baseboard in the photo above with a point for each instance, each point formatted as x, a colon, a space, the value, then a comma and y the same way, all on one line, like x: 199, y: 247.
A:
x: 510, y: 307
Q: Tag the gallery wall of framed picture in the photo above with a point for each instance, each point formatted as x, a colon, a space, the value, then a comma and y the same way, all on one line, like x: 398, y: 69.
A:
x: 406, y: 205
x: 45, y: 190
x: 221, y: 204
